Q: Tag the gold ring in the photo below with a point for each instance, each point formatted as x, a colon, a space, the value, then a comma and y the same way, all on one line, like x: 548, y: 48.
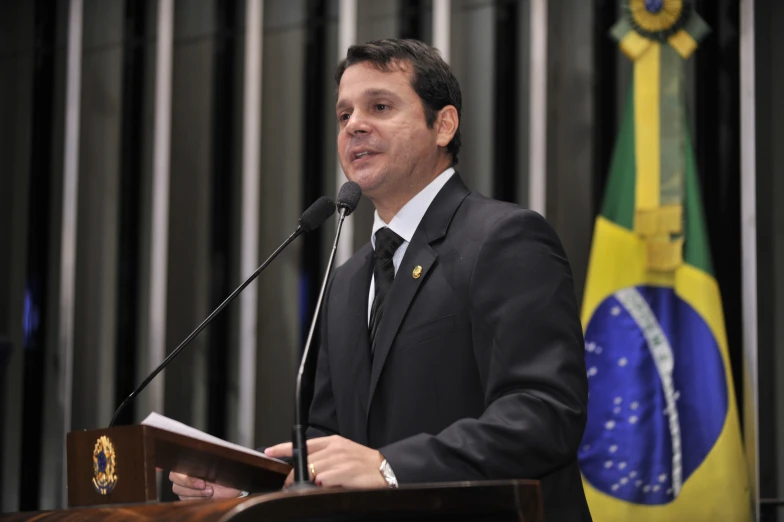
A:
x: 313, y: 471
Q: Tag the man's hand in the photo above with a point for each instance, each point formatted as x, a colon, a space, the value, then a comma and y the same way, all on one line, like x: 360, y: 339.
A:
x: 189, y: 488
x: 338, y: 462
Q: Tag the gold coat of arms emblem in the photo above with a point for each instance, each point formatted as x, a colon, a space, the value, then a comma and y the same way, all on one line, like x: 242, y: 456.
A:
x: 104, y: 466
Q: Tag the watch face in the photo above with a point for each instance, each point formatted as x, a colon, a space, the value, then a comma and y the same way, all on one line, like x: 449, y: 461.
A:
x: 388, y: 474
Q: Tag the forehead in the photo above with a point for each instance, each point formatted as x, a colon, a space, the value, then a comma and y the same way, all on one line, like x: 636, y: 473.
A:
x: 364, y: 77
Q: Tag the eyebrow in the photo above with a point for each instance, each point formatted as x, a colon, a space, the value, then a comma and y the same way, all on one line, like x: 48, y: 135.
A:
x: 370, y: 93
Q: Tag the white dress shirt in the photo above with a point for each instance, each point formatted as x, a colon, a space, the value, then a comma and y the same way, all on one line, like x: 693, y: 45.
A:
x: 405, y: 223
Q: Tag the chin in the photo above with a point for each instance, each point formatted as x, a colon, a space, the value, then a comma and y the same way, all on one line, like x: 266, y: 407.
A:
x: 369, y: 182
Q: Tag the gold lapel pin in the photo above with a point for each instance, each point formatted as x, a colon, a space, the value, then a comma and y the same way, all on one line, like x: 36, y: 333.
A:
x: 417, y: 273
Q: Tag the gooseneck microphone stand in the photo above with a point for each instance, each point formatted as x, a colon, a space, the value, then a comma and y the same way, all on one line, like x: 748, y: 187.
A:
x: 347, y: 202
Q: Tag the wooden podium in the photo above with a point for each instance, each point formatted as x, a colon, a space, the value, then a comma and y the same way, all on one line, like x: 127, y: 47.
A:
x: 139, y: 450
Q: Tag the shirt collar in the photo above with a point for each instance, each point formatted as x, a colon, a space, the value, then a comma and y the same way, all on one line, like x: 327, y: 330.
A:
x: 406, y: 221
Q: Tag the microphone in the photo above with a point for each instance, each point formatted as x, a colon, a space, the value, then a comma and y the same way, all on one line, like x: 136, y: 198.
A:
x: 348, y: 199
x: 310, y: 220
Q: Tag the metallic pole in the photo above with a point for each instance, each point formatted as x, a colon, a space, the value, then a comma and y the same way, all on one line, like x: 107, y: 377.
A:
x: 537, y: 132
x: 251, y: 201
x: 748, y: 213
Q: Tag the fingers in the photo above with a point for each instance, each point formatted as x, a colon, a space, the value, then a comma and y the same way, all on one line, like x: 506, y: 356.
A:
x: 186, y: 481
x: 316, y: 445
x: 331, y: 478
x: 337, y: 461
x: 289, y: 479
x: 221, y: 492
x: 324, y: 464
x: 312, y: 465
x: 351, y: 476
x: 285, y: 449
x: 190, y: 488
x: 340, y: 462
x: 192, y: 494
x: 279, y: 450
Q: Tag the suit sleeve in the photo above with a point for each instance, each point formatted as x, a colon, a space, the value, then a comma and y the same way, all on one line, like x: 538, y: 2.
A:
x: 529, y: 347
x: 322, y: 417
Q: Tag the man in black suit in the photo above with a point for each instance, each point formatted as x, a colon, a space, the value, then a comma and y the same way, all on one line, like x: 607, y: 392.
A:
x: 452, y: 347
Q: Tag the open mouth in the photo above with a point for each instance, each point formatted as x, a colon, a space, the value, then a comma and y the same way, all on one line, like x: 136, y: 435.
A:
x: 362, y: 155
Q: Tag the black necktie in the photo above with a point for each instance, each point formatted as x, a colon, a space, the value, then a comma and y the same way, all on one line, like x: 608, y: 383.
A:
x: 387, y: 243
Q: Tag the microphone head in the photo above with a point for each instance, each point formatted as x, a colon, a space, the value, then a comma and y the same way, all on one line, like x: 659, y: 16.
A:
x: 317, y: 213
x: 348, y: 197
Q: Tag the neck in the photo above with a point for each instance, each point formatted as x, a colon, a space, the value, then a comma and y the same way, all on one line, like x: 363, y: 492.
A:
x: 388, y: 208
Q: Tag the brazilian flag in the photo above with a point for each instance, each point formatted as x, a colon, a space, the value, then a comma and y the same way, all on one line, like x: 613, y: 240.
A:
x: 663, y: 437
x: 662, y: 442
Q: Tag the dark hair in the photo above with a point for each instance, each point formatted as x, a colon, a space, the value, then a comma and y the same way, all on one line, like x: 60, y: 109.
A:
x: 432, y: 79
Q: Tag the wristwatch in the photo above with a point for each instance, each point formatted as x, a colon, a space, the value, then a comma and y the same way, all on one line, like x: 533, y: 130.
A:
x: 388, y: 474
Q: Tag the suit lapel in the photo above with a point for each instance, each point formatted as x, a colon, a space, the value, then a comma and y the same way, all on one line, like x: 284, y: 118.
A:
x: 419, y: 254
x: 399, y: 299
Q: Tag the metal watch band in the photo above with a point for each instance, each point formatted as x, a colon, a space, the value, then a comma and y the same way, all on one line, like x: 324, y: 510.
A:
x: 388, y: 474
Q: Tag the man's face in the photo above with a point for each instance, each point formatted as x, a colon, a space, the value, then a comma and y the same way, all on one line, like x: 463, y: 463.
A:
x: 384, y: 143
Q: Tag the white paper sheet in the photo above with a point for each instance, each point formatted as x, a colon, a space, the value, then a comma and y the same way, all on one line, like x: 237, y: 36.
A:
x: 162, y: 422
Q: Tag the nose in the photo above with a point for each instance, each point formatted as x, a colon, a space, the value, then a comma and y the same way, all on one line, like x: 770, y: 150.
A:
x: 357, y: 124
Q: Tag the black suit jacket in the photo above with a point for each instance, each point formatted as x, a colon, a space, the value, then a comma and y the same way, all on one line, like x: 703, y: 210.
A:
x: 479, y: 369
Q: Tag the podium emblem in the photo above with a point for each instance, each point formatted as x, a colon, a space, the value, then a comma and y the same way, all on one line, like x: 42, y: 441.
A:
x: 103, y: 466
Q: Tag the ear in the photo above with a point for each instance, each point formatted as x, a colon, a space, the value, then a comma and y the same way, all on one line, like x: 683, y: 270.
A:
x: 446, y: 125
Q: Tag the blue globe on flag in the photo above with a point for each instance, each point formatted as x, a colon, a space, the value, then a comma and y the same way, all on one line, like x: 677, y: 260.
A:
x: 650, y: 357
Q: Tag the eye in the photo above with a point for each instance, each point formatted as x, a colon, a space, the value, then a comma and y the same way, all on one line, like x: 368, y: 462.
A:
x: 343, y: 117
x: 381, y: 107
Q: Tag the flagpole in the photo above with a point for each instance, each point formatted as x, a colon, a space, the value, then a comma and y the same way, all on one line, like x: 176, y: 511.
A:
x: 749, y: 247
x: 442, y: 27
x: 537, y: 133
x: 347, y: 36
